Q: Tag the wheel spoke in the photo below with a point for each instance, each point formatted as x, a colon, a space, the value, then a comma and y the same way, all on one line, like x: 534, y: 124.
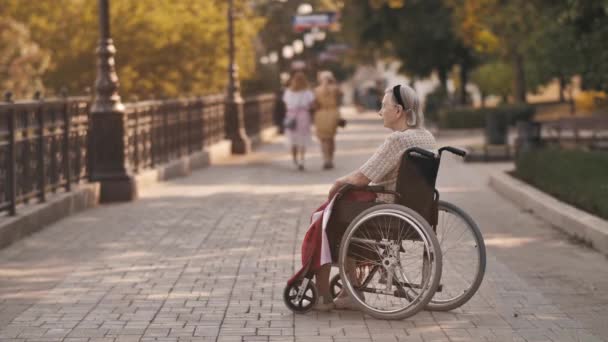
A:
x: 393, y: 240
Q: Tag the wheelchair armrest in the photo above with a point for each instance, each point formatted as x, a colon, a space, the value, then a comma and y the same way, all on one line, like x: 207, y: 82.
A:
x: 373, y: 188
x: 370, y: 188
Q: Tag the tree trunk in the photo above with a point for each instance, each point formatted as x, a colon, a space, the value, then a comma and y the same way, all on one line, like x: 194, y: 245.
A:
x: 519, y: 78
x: 442, y: 73
x: 464, y: 79
x: 562, y: 88
x: 572, y: 105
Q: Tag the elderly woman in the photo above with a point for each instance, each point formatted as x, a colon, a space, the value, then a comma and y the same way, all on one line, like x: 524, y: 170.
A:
x: 401, y: 113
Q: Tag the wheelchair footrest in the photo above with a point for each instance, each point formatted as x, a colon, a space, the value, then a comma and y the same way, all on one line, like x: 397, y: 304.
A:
x: 398, y: 292
x: 402, y: 284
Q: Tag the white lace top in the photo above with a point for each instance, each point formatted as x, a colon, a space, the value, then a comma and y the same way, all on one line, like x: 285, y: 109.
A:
x: 382, y: 168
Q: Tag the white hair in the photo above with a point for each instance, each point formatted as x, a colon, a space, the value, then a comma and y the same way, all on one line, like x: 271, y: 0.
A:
x: 414, y: 117
x: 326, y: 76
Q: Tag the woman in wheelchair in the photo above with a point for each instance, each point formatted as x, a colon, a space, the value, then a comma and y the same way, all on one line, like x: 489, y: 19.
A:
x: 401, y: 113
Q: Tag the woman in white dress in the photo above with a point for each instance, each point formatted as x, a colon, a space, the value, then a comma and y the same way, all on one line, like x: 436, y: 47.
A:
x: 298, y: 100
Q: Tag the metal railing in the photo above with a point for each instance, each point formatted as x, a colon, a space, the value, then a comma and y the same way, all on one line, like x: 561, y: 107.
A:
x: 258, y: 113
x: 43, y: 148
x: 161, y: 131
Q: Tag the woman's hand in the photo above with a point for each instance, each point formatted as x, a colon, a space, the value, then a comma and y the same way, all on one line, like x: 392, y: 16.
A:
x: 334, y: 189
x: 355, y: 178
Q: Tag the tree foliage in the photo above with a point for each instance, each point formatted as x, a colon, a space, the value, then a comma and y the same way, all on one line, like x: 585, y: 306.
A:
x: 164, y: 47
x: 493, y: 78
x: 419, y: 34
x: 540, y: 39
x: 22, y: 62
x: 589, y: 20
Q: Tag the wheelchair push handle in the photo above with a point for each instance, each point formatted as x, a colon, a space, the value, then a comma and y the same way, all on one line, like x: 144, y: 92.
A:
x: 420, y: 151
x: 454, y: 150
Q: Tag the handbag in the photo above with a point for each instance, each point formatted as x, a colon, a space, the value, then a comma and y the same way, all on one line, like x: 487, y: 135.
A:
x: 290, y: 123
x: 341, y: 122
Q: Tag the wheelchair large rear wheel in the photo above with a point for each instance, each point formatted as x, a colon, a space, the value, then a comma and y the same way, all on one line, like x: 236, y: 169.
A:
x: 398, y: 260
x: 464, y: 258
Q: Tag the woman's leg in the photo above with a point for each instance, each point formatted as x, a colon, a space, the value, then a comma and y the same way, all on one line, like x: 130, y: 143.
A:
x: 351, y: 273
x: 294, y: 154
x: 331, y: 149
x: 322, y: 281
x: 325, y: 151
x: 343, y: 300
x: 302, y: 154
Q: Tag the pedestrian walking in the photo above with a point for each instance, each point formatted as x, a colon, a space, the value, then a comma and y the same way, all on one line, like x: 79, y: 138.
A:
x: 328, y: 98
x: 298, y: 100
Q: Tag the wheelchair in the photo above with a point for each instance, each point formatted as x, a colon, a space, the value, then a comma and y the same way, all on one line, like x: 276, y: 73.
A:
x: 396, y: 259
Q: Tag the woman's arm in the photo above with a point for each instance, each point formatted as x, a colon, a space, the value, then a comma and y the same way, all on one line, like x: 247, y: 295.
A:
x: 381, y: 163
x: 355, y: 178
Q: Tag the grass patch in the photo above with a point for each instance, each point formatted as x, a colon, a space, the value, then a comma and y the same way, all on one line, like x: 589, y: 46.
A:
x: 579, y: 178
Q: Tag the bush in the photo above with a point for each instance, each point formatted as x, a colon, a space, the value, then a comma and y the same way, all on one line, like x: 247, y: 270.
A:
x: 476, y: 117
x: 435, y: 101
x: 462, y: 118
x: 575, y: 177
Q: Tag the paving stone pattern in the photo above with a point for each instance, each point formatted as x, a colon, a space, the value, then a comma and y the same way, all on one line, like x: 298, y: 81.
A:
x: 206, y: 258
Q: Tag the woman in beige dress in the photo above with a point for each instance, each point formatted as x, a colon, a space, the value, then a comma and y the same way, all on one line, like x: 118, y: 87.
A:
x: 328, y: 97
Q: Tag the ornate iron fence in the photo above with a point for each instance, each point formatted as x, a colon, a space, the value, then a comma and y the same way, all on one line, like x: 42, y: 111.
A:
x: 43, y: 148
x: 161, y: 131
x: 259, y: 113
x: 44, y: 144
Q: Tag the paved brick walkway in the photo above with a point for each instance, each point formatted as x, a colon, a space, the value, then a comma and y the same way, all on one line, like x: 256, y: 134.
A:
x: 205, y: 258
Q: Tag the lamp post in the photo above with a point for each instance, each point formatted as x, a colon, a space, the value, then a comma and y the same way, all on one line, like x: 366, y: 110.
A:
x: 107, y: 127
x: 235, y: 117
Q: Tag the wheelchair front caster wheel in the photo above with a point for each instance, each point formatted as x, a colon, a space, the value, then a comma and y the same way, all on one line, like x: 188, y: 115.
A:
x: 300, y: 296
x: 335, y: 286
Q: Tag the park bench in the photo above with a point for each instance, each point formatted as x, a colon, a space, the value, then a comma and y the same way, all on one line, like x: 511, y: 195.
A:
x: 590, y: 132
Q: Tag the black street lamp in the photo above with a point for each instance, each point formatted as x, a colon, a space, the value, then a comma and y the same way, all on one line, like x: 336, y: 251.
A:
x: 235, y: 117
x: 108, y: 123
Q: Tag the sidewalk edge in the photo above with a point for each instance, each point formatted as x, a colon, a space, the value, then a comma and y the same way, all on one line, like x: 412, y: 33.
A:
x: 33, y: 218
x: 183, y: 166
x: 572, y: 221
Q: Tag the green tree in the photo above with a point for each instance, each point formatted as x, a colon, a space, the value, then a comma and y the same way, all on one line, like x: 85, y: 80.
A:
x: 164, y: 47
x: 553, y: 56
x: 22, y: 62
x: 503, y: 28
x: 589, y: 20
x: 493, y: 78
x: 420, y: 34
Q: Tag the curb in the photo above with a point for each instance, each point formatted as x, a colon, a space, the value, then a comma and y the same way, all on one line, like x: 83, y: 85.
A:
x: 572, y: 221
x: 33, y: 218
x: 489, y: 153
x: 184, y: 166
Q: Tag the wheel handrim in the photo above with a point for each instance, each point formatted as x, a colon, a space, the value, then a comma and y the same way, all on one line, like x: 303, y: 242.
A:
x: 461, y: 253
x: 394, y: 265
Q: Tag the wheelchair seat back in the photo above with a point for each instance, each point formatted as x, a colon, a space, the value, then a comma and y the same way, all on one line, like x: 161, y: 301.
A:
x: 416, y: 184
